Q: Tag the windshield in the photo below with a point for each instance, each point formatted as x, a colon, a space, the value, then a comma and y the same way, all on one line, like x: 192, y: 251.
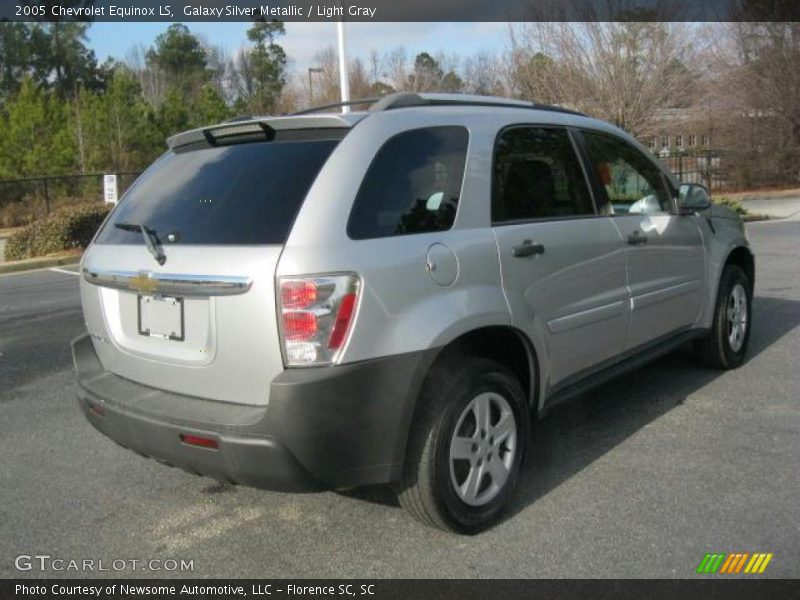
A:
x: 242, y: 194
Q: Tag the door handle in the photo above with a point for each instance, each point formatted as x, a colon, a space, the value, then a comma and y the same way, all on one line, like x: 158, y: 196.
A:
x: 527, y: 248
x: 637, y: 238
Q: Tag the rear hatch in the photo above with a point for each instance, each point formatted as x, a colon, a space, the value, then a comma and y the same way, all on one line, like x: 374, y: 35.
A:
x: 178, y: 286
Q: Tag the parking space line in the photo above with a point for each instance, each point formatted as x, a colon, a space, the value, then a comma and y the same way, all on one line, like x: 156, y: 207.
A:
x: 65, y: 271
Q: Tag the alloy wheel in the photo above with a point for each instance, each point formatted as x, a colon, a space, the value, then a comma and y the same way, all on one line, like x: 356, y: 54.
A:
x: 483, y: 448
x: 737, y: 317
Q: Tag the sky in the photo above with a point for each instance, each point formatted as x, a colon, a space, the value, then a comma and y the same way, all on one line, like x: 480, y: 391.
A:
x: 303, y: 40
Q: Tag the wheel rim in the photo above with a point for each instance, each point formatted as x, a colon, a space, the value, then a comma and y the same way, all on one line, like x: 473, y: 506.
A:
x: 483, y: 448
x: 737, y: 317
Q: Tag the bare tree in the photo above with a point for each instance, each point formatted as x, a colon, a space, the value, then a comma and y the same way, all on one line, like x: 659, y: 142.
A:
x: 326, y: 80
x: 483, y: 74
x: 360, y: 86
x: 293, y: 95
x: 619, y: 71
x: 753, y: 100
x: 365, y: 82
x: 397, y: 68
x: 374, y: 66
x: 240, y: 79
x: 426, y: 73
x: 152, y: 80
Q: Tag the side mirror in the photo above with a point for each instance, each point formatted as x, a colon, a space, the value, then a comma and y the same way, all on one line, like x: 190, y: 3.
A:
x: 693, y: 197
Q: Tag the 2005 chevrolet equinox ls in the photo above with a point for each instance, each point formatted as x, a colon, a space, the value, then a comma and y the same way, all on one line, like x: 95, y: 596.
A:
x: 328, y: 300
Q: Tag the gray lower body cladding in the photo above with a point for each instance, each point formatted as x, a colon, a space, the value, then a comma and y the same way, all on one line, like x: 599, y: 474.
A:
x: 337, y: 426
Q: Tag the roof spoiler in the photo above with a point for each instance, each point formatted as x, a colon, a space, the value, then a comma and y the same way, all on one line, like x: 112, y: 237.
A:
x: 261, y: 127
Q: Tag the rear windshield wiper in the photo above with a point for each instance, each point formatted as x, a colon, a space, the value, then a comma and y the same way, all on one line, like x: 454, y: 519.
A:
x: 150, y: 239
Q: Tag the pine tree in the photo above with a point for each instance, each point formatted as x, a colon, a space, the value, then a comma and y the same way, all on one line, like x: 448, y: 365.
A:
x: 36, y: 139
x: 210, y: 107
x: 267, y: 66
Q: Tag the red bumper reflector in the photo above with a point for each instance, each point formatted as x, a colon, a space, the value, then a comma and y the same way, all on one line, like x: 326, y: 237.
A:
x: 196, y: 440
x: 343, y: 318
x: 97, y: 409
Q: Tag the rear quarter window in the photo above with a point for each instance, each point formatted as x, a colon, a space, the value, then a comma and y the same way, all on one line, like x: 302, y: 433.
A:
x: 412, y: 185
x: 240, y: 194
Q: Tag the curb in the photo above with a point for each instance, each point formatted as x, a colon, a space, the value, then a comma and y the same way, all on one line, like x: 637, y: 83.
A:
x: 38, y: 263
x: 764, y: 195
x: 757, y: 218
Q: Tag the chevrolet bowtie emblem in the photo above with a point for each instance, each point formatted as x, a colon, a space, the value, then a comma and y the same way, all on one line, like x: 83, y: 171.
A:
x: 143, y: 283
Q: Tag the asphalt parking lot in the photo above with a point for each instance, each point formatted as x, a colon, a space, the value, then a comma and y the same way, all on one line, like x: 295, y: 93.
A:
x: 639, y: 478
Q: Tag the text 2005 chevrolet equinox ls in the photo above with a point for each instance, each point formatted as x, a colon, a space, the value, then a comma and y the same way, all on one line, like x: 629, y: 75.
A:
x: 390, y: 296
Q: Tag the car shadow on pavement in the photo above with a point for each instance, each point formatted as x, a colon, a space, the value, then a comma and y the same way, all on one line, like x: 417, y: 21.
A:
x: 581, y: 431
x: 578, y: 433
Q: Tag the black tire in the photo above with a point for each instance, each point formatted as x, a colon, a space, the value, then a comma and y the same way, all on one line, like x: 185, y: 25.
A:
x: 715, y: 350
x: 426, y: 489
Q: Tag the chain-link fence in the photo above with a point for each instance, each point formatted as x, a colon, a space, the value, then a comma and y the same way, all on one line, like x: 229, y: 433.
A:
x: 25, y: 200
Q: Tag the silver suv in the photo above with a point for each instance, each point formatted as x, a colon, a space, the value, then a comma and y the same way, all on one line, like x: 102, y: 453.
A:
x: 389, y: 296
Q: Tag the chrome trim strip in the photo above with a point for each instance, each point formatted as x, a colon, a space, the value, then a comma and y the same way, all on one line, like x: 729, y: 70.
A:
x: 586, y: 317
x: 641, y: 301
x: 169, y: 284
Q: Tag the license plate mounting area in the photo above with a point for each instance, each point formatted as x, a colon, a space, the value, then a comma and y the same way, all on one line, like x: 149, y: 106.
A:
x: 161, y: 317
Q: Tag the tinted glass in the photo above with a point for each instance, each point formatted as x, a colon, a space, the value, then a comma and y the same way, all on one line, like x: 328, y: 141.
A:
x: 412, y: 185
x: 633, y: 183
x: 537, y: 175
x: 239, y: 194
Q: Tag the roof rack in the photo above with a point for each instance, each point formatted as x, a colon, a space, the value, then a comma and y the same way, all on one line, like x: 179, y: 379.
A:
x: 411, y: 99
x: 239, y: 118
x: 322, y: 107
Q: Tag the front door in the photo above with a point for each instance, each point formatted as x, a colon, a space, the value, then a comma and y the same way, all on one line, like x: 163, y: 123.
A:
x: 563, y: 266
x: 665, y: 256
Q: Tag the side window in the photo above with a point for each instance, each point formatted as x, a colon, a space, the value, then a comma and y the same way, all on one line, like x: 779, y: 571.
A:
x: 537, y: 176
x: 412, y: 185
x: 633, y: 183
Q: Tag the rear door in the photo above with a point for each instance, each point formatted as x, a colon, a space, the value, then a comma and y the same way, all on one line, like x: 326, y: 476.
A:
x: 563, y: 266
x: 665, y: 255
x: 204, y: 322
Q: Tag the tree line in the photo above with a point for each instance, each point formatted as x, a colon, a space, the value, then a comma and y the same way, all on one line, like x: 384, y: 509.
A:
x: 63, y: 112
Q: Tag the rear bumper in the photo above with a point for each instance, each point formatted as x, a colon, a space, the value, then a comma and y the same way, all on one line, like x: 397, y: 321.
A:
x: 324, y: 427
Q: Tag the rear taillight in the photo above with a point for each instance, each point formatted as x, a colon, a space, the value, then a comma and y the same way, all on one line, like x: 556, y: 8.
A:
x: 298, y: 293
x: 299, y: 325
x: 316, y: 317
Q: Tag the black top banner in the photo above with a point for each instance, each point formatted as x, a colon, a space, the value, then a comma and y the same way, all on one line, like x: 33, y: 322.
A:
x: 399, y: 10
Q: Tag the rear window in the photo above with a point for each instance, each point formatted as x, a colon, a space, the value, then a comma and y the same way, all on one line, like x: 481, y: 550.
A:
x: 412, y: 185
x: 242, y: 194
